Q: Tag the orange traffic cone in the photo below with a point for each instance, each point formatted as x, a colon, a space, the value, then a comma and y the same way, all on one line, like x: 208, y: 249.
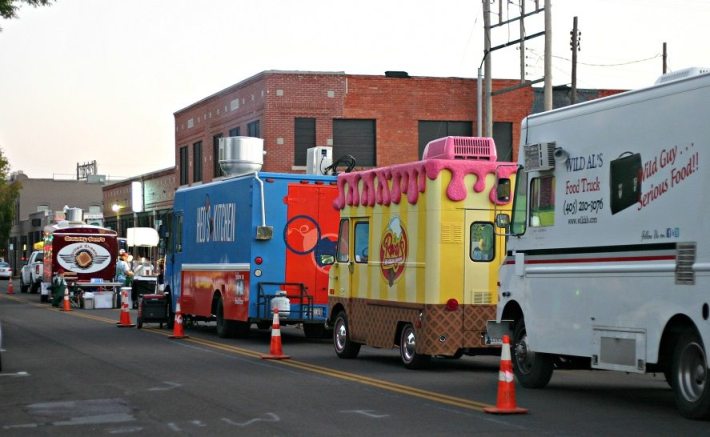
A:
x: 10, y: 287
x: 505, y: 404
x: 178, y: 332
x: 67, y: 305
x: 276, y: 352
x: 125, y: 320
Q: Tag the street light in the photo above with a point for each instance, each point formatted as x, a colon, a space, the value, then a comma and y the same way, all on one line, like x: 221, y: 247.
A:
x: 116, y: 208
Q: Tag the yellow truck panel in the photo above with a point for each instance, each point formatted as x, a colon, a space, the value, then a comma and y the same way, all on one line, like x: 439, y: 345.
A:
x: 418, y: 253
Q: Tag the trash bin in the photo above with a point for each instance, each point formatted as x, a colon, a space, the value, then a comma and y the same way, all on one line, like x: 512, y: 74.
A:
x: 88, y: 300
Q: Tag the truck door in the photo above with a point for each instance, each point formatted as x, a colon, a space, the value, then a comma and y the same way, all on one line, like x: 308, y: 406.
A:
x: 482, y: 254
x: 353, y: 254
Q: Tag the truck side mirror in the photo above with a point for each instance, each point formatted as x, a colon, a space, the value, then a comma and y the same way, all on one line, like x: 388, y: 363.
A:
x: 502, y: 220
x: 503, y: 190
x: 327, y: 259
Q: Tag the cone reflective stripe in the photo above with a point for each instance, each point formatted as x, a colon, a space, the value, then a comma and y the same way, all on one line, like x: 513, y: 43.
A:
x: 276, y: 352
x: 67, y: 305
x: 505, y: 402
x: 178, y: 332
x: 10, y: 287
x: 125, y: 320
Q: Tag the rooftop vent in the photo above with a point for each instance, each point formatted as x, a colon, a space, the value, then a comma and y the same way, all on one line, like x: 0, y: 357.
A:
x: 74, y: 215
x: 241, y: 155
x: 478, y: 148
x: 682, y: 74
x: 399, y: 74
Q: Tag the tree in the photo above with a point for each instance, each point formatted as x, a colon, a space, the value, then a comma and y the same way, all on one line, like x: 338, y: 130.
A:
x: 9, y: 190
x: 8, y: 8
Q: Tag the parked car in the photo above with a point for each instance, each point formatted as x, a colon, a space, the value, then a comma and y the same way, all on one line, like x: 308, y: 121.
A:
x: 31, y: 272
x: 5, y: 270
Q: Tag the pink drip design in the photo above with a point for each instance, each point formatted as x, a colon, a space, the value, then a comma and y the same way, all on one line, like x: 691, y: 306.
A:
x: 410, y: 179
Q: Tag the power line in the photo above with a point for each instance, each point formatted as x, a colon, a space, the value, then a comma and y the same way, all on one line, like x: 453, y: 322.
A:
x: 658, y: 55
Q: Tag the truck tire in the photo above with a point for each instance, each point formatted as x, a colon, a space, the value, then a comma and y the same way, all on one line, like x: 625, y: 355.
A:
x: 34, y: 287
x: 223, y: 330
x: 23, y: 287
x: 407, y: 349
x: 690, y: 377
x: 344, y: 346
x: 532, y: 369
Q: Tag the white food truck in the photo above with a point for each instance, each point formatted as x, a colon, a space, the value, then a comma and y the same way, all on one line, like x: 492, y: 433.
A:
x: 608, y: 257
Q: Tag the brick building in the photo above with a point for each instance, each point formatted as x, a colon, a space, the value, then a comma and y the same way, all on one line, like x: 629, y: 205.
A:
x: 380, y: 120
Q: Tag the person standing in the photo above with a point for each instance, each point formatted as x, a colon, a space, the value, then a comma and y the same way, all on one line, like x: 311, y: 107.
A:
x: 59, y: 285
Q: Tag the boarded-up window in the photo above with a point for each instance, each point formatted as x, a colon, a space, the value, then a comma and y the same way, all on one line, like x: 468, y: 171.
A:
x: 305, y: 138
x: 356, y: 138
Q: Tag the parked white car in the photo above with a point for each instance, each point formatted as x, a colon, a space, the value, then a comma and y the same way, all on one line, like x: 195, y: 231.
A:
x: 5, y: 270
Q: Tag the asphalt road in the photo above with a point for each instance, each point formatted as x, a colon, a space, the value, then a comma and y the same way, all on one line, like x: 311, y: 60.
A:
x: 77, y: 372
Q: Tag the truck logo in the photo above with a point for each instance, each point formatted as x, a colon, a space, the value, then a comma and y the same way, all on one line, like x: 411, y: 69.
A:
x: 83, y: 257
x: 215, y: 223
x: 393, y: 251
x: 303, y: 236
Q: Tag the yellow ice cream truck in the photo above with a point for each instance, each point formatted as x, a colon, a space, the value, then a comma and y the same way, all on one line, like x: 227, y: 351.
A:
x: 418, y: 252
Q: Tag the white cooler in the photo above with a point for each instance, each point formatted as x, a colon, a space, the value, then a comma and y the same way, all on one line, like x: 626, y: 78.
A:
x: 103, y: 299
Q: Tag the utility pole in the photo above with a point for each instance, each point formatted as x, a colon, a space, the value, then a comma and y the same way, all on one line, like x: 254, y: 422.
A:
x: 488, y: 125
x: 548, y: 55
x: 665, y: 59
x: 574, y: 45
x: 487, y: 129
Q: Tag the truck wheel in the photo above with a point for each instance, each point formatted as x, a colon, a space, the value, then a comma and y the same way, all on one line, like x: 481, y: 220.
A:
x: 223, y: 330
x: 407, y: 349
x: 139, y: 323
x: 532, y: 369
x: 344, y: 347
x: 690, y: 377
x: 23, y: 287
x: 34, y: 287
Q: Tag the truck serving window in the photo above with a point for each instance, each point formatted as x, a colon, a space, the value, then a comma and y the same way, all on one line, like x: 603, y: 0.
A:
x: 542, y: 201
x: 362, y: 236
x: 482, y: 242
x: 343, y: 241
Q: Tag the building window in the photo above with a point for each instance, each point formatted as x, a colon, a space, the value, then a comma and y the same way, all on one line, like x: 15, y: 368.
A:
x: 305, y: 138
x: 216, y: 169
x: 234, y: 132
x: 432, y: 130
x: 503, y: 137
x: 183, y: 165
x: 197, y: 161
x: 356, y: 138
x: 254, y: 129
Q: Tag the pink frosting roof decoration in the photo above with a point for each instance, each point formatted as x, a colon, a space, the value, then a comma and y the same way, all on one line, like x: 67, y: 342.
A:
x: 409, y: 179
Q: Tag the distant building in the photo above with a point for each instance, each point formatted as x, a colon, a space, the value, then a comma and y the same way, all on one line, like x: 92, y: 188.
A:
x: 40, y: 203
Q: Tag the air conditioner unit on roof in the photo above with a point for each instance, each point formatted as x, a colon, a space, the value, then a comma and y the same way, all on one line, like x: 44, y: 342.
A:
x: 478, y: 148
x: 318, y: 159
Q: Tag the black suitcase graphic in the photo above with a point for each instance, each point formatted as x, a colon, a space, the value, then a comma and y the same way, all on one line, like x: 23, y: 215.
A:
x: 626, y: 175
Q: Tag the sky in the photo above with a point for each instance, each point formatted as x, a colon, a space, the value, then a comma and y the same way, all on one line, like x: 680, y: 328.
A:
x: 85, y: 80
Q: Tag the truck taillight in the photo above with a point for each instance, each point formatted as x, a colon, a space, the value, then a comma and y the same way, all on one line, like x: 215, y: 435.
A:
x: 452, y: 305
x: 37, y: 270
